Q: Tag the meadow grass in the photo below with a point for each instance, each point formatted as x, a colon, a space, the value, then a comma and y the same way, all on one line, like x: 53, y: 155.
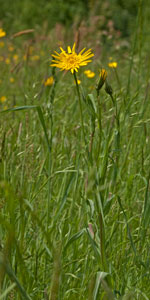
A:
x: 74, y: 193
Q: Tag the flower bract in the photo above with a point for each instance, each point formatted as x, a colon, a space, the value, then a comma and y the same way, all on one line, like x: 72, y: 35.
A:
x: 102, y: 75
x: 70, y: 60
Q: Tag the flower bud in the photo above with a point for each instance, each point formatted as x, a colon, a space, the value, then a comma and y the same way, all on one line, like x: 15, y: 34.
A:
x: 103, y: 75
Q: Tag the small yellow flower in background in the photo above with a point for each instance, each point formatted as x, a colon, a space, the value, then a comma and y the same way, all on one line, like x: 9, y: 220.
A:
x: 5, y: 107
x: 89, y: 73
x: 3, y: 99
x: 78, y: 81
x: 35, y: 57
x: 2, y: 33
x: 71, y: 60
x: 11, y: 79
x: 7, y: 61
x: 86, y: 72
x: 112, y: 64
x: 2, y: 44
x: 1, y: 58
x: 49, y: 81
x: 10, y: 48
x: 15, y: 57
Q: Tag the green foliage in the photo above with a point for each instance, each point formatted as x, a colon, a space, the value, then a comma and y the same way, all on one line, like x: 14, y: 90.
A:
x: 32, y: 14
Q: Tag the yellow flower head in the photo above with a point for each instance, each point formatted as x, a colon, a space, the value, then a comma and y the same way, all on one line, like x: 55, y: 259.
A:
x: 71, y: 60
x: 49, y: 81
x: 7, y: 61
x: 89, y: 73
x: 15, y: 57
x: 35, y: 57
x: 112, y: 64
x: 2, y: 33
x: 11, y: 79
x: 3, y: 99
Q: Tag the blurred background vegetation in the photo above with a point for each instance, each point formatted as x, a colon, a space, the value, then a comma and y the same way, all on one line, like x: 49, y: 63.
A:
x: 19, y: 15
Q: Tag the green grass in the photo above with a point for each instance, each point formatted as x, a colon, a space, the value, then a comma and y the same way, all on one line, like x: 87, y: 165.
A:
x: 75, y: 211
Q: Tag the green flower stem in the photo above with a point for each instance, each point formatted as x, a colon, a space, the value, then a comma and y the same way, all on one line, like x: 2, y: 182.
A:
x: 117, y: 120
x: 80, y: 104
x: 117, y: 142
x: 92, y: 138
x: 99, y: 123
x: 117, y: 77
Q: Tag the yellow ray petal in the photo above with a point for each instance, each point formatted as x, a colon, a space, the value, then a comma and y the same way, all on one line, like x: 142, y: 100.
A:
x: 73, y: 48
x: 82, y: 51
x: 69, y: 49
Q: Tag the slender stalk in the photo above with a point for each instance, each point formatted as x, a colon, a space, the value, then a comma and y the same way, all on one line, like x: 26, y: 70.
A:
x: 51, y: 97
x: 80, y: 104
x: 117, y: 141
x: 100, y: 124
x: 92, y: 138
x: 117, y: 77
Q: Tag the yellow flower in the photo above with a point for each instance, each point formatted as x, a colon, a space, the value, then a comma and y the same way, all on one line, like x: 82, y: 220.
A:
x: 71, y: 60
x: 1, y: 58
x: 11, y: 79
x: 3, y: 99
x: 89, y: 73
x: 35, y: 57
x: 49, y: 81
x: 112, y: 64
x: 15, y: 57
x: 2, y: 33
x: 7, y: 61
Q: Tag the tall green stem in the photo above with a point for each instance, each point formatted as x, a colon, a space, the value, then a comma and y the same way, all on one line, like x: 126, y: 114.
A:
x: 80, y: 104
x: 117, y: 136
x: 100, y: 124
